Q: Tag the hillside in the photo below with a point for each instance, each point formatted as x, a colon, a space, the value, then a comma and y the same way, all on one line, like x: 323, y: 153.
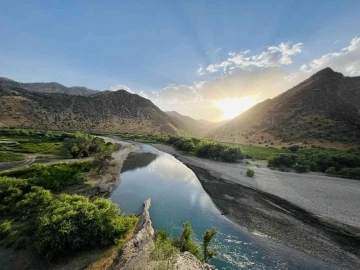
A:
x: 325, y: 107
x: 194, y: 127
x: 51, y: 87
x: 109, y: 111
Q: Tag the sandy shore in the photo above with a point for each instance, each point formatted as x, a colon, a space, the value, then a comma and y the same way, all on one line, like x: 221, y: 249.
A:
x: 313, y: 213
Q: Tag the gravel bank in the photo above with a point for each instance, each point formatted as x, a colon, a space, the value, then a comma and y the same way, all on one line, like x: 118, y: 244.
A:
x: 313, y: 213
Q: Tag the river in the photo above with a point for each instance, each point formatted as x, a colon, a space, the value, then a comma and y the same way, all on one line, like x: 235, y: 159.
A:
x: 177, y: 196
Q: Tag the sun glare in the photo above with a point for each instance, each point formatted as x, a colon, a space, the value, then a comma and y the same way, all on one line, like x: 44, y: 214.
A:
x: 233, y: 107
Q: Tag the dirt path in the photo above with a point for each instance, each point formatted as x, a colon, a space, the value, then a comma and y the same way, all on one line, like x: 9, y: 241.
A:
x: 302, y: 211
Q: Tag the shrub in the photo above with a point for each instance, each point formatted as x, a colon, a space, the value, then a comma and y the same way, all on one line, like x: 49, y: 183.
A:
x: 208, y: 238
x: 72, y: 222
x: 301, y: 168
x: 350, y: 172
x: 286, y: 160
x: 185, y: 243
x: 250, y: 173
x: 331, y: 170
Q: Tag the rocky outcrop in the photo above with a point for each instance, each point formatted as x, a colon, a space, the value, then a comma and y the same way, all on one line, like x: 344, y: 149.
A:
x: 137, y: 252
x: 187, y: 261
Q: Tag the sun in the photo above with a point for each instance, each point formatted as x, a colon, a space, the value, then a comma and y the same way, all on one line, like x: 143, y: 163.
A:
x: 232, y: 107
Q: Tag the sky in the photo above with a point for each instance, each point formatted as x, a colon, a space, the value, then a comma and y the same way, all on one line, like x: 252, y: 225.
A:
x: 203, y: 58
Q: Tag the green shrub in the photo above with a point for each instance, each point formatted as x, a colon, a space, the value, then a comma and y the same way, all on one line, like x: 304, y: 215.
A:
x: 286, y: 160
x: 250, y: 173
x: 331, y: 170
x: 350, y: 172
x: 301, y: 168
x: 164, y: 246
x: 185, y: 243
x: 53, y: 177
x: 72, y: 222
x: 7, y: 157
x: 5, y: 229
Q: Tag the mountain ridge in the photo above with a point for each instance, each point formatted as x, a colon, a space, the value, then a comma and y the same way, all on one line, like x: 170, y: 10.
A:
x: 326, y: 106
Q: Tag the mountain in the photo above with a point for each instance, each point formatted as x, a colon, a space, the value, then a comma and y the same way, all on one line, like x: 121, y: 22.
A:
x: 108, y: 111
x: 197, y: 128
x: 51, y: 87
x: 325, y: 107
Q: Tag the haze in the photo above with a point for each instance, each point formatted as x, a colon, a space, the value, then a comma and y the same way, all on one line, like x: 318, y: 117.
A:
x: 207, y: 59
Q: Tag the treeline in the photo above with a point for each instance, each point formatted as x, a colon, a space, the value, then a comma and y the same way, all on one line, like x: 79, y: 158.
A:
x: 56, y: 224
x: 194, y: 146
x: 332, y: 161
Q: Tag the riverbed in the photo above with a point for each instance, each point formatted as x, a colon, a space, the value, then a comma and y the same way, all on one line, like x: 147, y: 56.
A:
x: 178, y: 196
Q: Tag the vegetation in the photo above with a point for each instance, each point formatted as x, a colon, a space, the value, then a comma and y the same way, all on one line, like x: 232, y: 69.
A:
x: 53, y: 177
x: 102, y: 159
x: 250, y: 172
x: 5, y: 157
x: 166, y: 247
x: 194, y: 146
x: 332, y: 161
x: 56, y: 225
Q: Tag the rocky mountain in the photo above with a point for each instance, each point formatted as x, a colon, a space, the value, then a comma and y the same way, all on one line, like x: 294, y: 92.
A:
x: 108, y: 111
x: 325, y: 107
x: 197, y: 128
x: 50, y: 87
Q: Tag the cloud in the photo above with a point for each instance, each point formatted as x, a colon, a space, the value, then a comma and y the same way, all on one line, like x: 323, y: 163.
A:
x: 121, y: 87
x: 244, y: 74
x: 200, y: 71
x: 346, y: 60
x: 273, y: 56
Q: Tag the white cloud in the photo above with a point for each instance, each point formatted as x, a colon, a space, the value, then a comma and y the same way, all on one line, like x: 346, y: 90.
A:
x: 274, y: 56
x: 143, y: 94
x: 347, y: 60
x: 121, y: 87
x: 336, y: 41
x: 200, y: 71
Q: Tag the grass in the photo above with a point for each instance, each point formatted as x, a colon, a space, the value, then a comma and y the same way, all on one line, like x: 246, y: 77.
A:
x: 259, y: 152
x: 8, y: 157
x: 35, y: 147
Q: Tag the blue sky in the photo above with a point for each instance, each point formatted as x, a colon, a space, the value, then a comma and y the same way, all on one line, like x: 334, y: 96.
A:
x: 155, y: 47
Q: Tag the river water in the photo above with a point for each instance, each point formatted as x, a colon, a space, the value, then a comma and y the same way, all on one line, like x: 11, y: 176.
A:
x: 177, y: 196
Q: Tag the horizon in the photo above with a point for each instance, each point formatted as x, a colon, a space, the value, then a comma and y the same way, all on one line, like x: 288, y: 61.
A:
x: 202, y: 59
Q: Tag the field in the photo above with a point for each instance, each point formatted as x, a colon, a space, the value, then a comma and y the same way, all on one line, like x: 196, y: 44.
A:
x: 258, y: 152
x: 7, y: 157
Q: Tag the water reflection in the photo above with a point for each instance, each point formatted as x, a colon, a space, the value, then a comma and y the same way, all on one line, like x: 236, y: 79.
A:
x: 177, y: 196
x: 137, y: 161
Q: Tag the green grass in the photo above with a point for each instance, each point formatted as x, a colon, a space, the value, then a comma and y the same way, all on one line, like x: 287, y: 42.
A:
x: 259, y: 152
x: 7, y: 157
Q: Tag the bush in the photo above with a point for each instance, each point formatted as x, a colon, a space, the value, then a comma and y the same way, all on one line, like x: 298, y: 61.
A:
x: 72, y: 222
x: 301, y: 168
x: 350, y: 172
x: 250, y: 173
x: 293, y: 148
x: 331, y: 170
x: 286, y: 160
x: 53, y: 177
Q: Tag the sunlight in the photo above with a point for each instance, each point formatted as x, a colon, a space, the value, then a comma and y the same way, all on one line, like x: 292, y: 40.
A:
x: 233, y: 107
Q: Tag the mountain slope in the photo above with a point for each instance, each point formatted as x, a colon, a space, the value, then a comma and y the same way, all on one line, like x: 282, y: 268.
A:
x: 108, y: 111
x: 194, y: 127
x: 51, y: 87
x: 326, y: 106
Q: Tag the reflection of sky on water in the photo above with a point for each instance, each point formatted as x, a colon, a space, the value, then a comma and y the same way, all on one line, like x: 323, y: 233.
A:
x: 177, y: 196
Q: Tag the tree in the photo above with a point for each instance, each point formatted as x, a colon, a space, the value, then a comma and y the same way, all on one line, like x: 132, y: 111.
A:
x: 208, y: 238
x: 186, y: 243
x: 103, y: 159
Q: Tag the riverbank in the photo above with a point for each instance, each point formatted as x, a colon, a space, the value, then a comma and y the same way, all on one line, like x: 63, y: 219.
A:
x: 301, y: 211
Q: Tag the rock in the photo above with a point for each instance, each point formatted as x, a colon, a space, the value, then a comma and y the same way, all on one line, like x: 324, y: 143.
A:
x: 135, y: 253
x: 187, y: 261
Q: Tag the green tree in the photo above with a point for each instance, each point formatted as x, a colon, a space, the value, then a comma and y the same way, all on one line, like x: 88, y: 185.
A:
x: 208, y: 238
x: 186, y: 243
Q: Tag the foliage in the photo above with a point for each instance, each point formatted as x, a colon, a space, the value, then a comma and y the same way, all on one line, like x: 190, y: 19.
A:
x: 84, y: 144
x: 208, y: 238
x: 293, y: 148
x: 164, y: 246
x: 102, y: 159
x: 73, y: 222
x: 61, y: 224
x: 332, y: 161
x: 185, y: 243
x: 250, y: 173
x: 6, y: 157
x: 53, y: 177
